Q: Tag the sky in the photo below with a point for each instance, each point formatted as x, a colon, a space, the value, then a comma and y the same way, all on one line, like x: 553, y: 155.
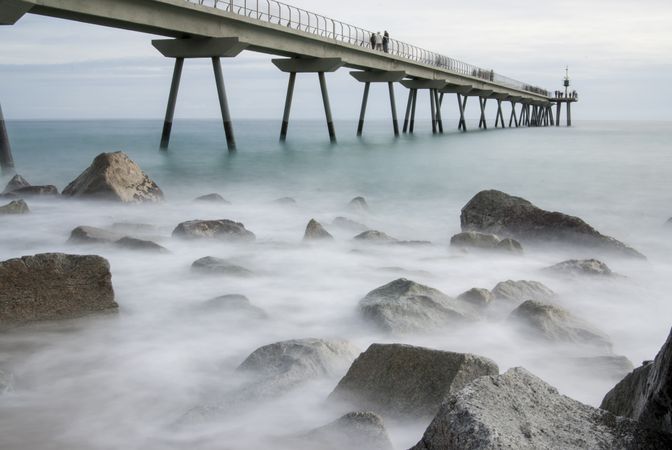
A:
x: 618, y: 53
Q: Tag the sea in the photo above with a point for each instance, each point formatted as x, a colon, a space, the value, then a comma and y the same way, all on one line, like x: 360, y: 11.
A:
x: 126, y: 380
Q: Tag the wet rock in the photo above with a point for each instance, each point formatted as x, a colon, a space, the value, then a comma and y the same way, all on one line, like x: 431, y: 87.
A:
x: 402, y: 381
x: 93, y: 235
x: 114, y: 176
x: 356, y: 430
x: 35, y: 191
x: 315, y: 232
x: 646, y: 394
x: 517, y: 410
x: 17, y: 182
x: 555, y: 324
x: 404, y: 306
x: 504, y: 215
x: 477, y: 296
x: 226, y: 230
x: 474, y: 239
x: 233, y: 303
x: 522, y: 290
x: 573, y: 267
x: 350, y: 225
x: 212, y: 198
x: 510, y: 245
x: 376, y: 237
x: 14, y: 207
x: 212, y: 265
x: 54, y: 286
x: 130, y: 243
x: 6, y: 382
x: 358, y: 204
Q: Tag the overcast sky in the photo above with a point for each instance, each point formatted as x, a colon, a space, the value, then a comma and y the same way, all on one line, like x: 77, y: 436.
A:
x: 619, y: 54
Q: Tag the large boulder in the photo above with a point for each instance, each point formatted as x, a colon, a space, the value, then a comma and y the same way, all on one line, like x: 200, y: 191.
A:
x: 14, y: 208
x: 555, y: 324
x: 356, y: 430
x: 224, y: 229
x: 219, y: 266
x: 574, y: 267
x: 517, y: 410
x: 113, y: 176
x: 407, y: 382
x: 522, y: 290
x: 404, y: 306
x: 17, y: 182
x: 316, y: 232
x: 646, y: 393
x: 508, y: 216
x: 54, y: 286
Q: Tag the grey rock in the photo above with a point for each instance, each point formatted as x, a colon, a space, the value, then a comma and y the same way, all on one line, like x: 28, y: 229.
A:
x: 510, y: 245
x: 114, y: 176
x: 358, y: 204
x: 54, y: 286
x: 93, y: 235
x: 477, y: 296
x: 405, y: 382
x: 212, y: 198
x: 517, y: 410
x: 646, y: 394
x: 376, y: 237
x: 404, y: 306
x: 227, y: 230
x: 315, y: 232
x: 349, y: 225
x: 522, y: 290
x: 233, y: 303
x: 573, y: 267
x: 474, y: 239
x: 130, y: 243
x: 15, y: 207
x: 356, y: 430
x: 35, y: 191
x: 555, y: 324
x: 212, y: 265
x: 507, y: 216
x: 15, y: 183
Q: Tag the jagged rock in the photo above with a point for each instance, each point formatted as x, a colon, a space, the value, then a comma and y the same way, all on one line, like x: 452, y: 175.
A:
x: 522, y: 290
x: 93, y: 235
x: 402, y: 381
x: 114, y: 176
x: 356, y: 430
x: 54, y: 286
x: 350, y: 225
x: 646, y: 394
x: 233, y: 303
x: 405, y: 306
x: 375, y: 237
x: 315, y: 232
x: 35, y: 191
x: 504, y: 215
x: 477, y: 296
x: 213, y: 229
x: 6, y: 382
x: 517, y: 410
x: 475, y: 239
x: 556, y: 324
x: 14, y: 207
x: 17, y: 182
x: 358, y: 204
x: 212, y: 265
x: 591, y: 267
x: 130, y: 243
x: 212, y: 198
x: 285, y: 201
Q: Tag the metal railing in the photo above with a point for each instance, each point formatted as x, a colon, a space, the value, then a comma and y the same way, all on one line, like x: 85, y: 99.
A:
x: 282, y: 14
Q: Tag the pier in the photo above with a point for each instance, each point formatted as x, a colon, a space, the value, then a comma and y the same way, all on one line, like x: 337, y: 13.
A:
x: 304, y: 43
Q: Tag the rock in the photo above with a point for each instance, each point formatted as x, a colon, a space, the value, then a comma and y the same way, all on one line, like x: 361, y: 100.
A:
x: 233, y: 303
x: 646, y: 394
x: 315, y: 232
x: 377, y: 237
x: 517, y: 410
x: 510, y: 245
x: 401, y: 381
x: 17, y: 182
x: 35, y: 191
x: 212, y: 265
x: 358, y: 204
x: 140, y: 228
x: 475, y: 239
x: 522, y: 290
x: 405, y: 306
x: 54, y: 286
x: 14, y: 207
x: 287, y: 201
x: 504, y: 215
x: 556, y: 324
x: 113, y: 176
x: 92, y: 235
x: 6, y: 382
x: 213, y: 229
x: 130, y: 243
x: 212, y: 198
x: 356, y: 430
x: 573, y: 267
x: 477, y: 296
x: 350, y: 225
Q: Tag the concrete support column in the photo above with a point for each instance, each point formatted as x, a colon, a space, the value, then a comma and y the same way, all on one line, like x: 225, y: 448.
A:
x: 393, y: 105
x: 224, y: 104
x: 569, y: 114
x: 439, y: 101
x: 362, y: 112
x: 408, y: 110
x: 432, y: 102
x: 462, y: 105
x: 415, y: 101
x: 550, y: 115
x: 288, y: 106
x: 513, y: 115
x: 6, y: 159
x: 172, y: 100
x: 558, y: 110
x: 483, y: 123
x: 327, y: 107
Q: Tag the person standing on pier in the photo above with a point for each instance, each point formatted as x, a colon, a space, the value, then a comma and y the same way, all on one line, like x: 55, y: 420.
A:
x: 372, y: 40
x: 379, y: 41
x: 386, y: 42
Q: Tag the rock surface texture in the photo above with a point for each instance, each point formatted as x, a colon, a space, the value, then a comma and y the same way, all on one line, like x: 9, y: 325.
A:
x: 316, y: 232
x: 226, y: 230
x: 212, y: 265
x: 401, y: 381
x: 517, y: 410
x: 504, y: 215
x: 93, y: 235
x: 477, y: 296
x: 17, y: 182
x: 14, y: 208
x: 574, y: 267
x: 113, y: 176
x: 54, y: 286
x: 485, y: 241
x: 356, y: 430
x: 375, y: 237
x: 522, y: 290
x: 358, y: 204
x: 35, y: 191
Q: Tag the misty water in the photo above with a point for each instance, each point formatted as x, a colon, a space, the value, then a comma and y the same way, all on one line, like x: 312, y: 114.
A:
x: 125, y: 380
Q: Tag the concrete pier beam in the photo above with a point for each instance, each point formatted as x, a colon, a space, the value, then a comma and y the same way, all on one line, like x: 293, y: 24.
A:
x: 415, y: 101
x: 407, y: 116
x: 6, y: 158
x: 393, y: 106
x: 432, y: 103
x: 288, y: 106
x: 327, y: 107
x: 13, y: 10
x: 362, y: 112
x: 224, y: 104
x: 172, y: 101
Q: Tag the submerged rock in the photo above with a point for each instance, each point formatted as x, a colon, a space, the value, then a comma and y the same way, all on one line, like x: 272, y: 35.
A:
x: 407, y: 382
x: 477, y: 296
x: 233, y: 303
x: 17, y: 182
x: 522, y: 290
x: 358, y: 204
x: 555, y: 324
x: 212, y: 265
x: 35, y: 191
x: 114, y: 176
x: 54, y: 286
x: 350, y: 225
x: 224, y: 229
x: 646, y: 394
x: 591, y: 267
x: 93, y: 235
x: 287, y: 201
x: 356, y: 430
x: 406, y: 306
x: 517, y: 410
x: 375, y: 237
x: 130, y: 243
x: 14, y: 208
x: 508, y: 216
x: 212, y: 198
x: 315, y: 232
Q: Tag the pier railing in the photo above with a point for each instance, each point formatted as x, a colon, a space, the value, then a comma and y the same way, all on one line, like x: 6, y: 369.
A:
x: 279, y: 13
